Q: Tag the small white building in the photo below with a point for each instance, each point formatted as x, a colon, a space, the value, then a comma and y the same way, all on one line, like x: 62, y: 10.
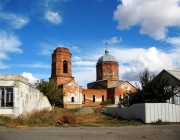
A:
x: 18, y: 96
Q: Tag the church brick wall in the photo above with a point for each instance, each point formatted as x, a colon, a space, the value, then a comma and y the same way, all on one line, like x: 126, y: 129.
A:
x: 101, y: 70
x: 97, y: 85
x: 61, y: 74
x: 107, y: 84
x: 98, y: 96
x: 111, y: 83
x: 58, y: 56
x: 110, y: 94
x: 122, y: 90
x: 72, y: 95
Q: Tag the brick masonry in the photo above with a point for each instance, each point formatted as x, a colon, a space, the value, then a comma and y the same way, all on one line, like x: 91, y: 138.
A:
x: 107, y: 84
x: 99, y: 96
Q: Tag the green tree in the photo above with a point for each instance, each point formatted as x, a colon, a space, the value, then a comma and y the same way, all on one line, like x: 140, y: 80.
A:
x: 53, y: 93
x: 154, y: 89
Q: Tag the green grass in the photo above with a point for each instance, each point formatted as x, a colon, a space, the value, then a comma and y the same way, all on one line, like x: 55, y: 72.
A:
x: 160, y: 122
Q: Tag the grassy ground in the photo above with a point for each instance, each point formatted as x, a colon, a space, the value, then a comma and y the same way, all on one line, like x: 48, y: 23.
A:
x: 64, y: 118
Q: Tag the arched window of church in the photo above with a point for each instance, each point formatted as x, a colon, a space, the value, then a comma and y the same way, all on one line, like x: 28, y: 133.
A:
x: 72, y: 99
x: 53, y: 67
x: 99, y: 72
x: 65, y: 66
x: 94, y: 98
x: 107, y: 71
x: 102, y: 98
x: 115, y: 72
x: 84, y: 98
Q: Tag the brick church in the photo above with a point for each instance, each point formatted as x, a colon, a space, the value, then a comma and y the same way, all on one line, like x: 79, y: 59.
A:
x: 107, y: 86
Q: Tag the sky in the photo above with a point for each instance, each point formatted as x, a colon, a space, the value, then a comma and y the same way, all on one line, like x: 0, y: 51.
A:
x: 140, y: 34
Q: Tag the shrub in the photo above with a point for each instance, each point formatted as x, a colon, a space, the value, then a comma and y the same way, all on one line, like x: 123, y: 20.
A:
x: 53, y: 93
x: 40, y: 118
x: 4, y: 120
x: 108, y: 102
x: 159, y: 122
x: 66, y: 119
x: 154, y: 89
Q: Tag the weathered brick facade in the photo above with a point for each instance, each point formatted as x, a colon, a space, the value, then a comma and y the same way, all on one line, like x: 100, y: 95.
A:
x: 92, y: 97
x: 107, y: 84
x: 107, y: 78
x: 61, y: 74
x: 61, y: 66
x: 112, y: 73
x: 120, y: 90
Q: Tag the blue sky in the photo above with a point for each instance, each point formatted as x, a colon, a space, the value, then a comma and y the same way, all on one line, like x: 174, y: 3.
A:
x: 140, y: 34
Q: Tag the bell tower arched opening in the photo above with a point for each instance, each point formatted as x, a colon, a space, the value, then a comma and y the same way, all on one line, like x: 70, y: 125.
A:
x: 65, y: 66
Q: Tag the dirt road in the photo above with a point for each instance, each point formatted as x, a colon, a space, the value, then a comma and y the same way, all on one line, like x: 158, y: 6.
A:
x: 144, y: 132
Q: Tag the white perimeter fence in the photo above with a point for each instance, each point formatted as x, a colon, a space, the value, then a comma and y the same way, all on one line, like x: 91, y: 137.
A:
x: 147, y: 112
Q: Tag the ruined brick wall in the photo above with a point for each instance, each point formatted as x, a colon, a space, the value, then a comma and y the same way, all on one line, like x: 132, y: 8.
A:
x: 112, y: 82
x: 99, y: 96
x: 122, y: 90
x: 97, y: 85
x: 62, y: 75
x: 69, y: 106
x: 110, y: 94
x: 59, y: 68
x: 72, y: 95
x: 101, y: 73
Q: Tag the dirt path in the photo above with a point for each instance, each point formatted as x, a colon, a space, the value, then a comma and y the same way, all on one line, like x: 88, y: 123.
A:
x: 145, y: 132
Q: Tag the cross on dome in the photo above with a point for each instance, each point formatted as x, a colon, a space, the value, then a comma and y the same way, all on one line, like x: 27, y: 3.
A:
x: 106, y: 51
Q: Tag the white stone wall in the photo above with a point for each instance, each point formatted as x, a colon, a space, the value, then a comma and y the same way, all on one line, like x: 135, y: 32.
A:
x: 26, y: 97
x: 175, y: 99
x: 147, y: 112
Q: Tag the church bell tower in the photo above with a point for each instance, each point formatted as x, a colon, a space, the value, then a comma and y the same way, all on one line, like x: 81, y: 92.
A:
x: 61, y: 66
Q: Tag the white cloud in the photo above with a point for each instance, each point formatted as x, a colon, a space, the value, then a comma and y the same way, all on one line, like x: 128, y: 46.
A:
x: 9, y: 43
x: 175, y: 51
x: 84, y: 63
x: 73, y: 47
x: 175, y: 41
x: 36, y: 65
x: 76, y: 58
x: 132, y: 61
x: 3, y: 56
x: 48, y: 48
x: 153, y: 16
x: 15, y: 21
x: 131, y: 64
x: 3, y: 66
x: 53, y: 17
x: 84, y: 75
x: 30, y: 77
x: 83, y: 70
x: 113, y: 40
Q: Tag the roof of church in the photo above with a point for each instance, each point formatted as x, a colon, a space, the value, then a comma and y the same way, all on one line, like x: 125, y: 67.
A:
x: 117, y: 84
x: 107, y: 57
x: 62, y: 49
x: 174, y: 73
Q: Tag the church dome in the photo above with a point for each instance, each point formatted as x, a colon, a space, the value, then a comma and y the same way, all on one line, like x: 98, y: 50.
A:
x: 107, y: 57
